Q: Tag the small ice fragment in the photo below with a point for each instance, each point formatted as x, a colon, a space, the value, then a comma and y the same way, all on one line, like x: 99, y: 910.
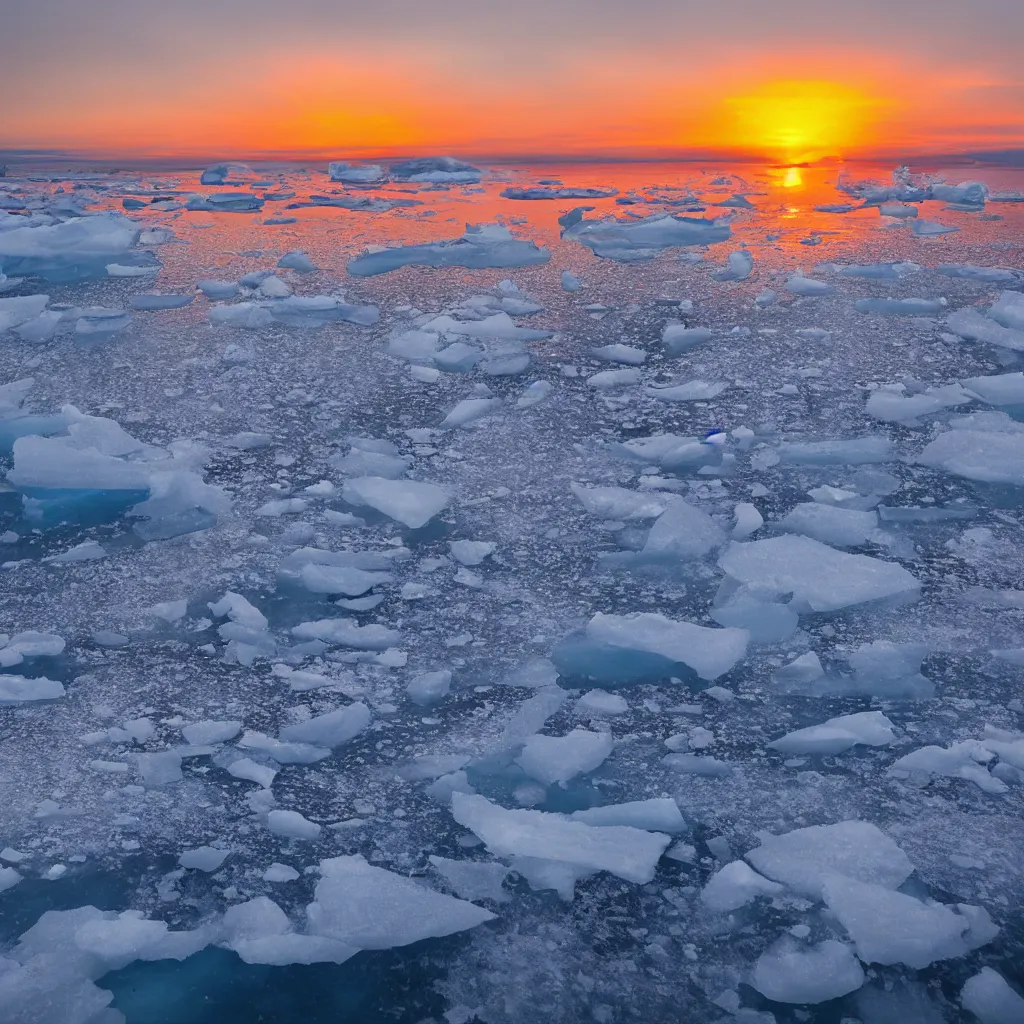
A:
x: 428, y: 688
x: 292, y: 825
x: 203, y: 858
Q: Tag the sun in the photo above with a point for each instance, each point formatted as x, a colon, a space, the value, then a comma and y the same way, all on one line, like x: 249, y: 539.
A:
x: 799, y: 120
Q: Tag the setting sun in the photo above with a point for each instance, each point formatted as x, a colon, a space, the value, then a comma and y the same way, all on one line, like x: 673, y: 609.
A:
x: 803, y: 120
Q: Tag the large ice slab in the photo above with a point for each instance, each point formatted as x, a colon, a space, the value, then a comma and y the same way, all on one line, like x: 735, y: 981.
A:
x: 627, y: 852
x: 994, y: 456
x: 71, y: 250
x: 967, y: 760
x: 20, y: 689
x: 557, y: 759
x: 805, y: 859
x: 988, y: 996
x: 629, y: 240
x: 98, y: 470
x: 371, y: 908
x: 856, y: 451
x: 410, y: 502
x: 331, y: 729
x: 793, y: 973
x: 627, y: 647
x: 820, y: 578
x: 658, y: 814
x: 841, y: 527
x: 892, y: 928
x: 870, y: 728
x: 998, y: 389
x: 481, y: 247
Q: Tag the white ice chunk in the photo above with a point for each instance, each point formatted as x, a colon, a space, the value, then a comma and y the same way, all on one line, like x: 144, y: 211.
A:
x: 341, y: 579
x: 998, y: 389
x: 557, y: 759
x: 736, y: 885
x: 619, y: 353
x: 292, y: 825
x: 1008, y: 310
x: 608, y: 379
x: 855, y: 451
x: 348, y: 633
x: 988, y: 996
x: 481, y: 247
x: 964, y: 760
x: 692, y: 391
x: 600, y: 702
x: 371, y: 908
x: 807, y: 286
x: 622, y: 503
x: 820, y: 578
x: 892, y: 928
x: 829, y: 524
x: 792, y: 973
x: 628, y: 240
x: 683, y: 532
x: 246, y: 768
x: 870, y: 728
x: 895, y: 407
x: 410, y: 502
x: 709, y: 652
x: 746, y: 520
x: 331, y: 729
x: 220, y: 174
x: 473, y: 879
x: 471, y: 552
x: 738, y: 267
x: 280, y: 873
x: 988, y: 456
x: 16, y: 689
x: 806, y: 858
x: 972, y: 325
x: 659, y: 814
x: 203, y: 858
x: 426, y: 688
x: 469, y: 410
x: 361, y: 174
x: 202, y: 734
x: 534, y: 394
x: 627, y: 852
x: 9, y: 877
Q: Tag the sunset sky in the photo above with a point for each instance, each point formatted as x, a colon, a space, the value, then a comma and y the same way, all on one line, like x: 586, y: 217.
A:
x: 790, y: 80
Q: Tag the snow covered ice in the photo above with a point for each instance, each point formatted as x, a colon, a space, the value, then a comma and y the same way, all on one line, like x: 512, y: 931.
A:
x: 609, y: 611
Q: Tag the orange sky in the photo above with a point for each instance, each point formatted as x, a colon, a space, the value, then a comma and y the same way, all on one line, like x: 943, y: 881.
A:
x: 786, y: 105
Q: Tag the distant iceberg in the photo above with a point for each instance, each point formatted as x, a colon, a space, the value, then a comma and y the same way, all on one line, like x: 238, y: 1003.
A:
x: 223, y: 174
x: 364, y: 174
x: 226, y: 202
x: 439, y: 170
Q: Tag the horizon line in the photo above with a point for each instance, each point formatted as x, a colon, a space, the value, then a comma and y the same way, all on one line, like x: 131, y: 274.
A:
x: 1005, y: 156
x: 1013, y: 156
